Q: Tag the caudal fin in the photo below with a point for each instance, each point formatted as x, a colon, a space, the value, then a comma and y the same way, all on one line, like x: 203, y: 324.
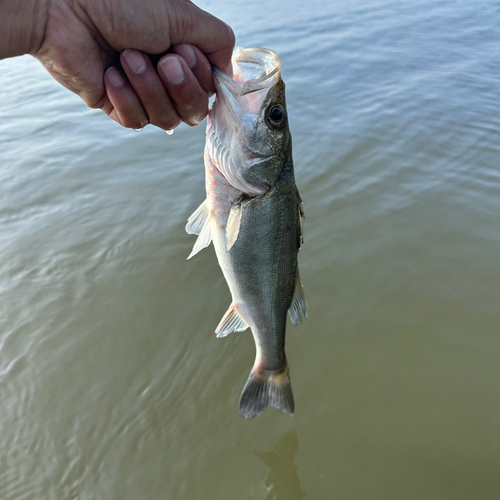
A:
x: 266, y: 388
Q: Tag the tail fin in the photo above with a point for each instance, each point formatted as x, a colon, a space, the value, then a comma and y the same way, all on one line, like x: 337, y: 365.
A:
x: 267, y: 388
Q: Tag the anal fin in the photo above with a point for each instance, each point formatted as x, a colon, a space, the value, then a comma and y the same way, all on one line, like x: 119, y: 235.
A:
x: 298, y: 308
x: 231, y: 322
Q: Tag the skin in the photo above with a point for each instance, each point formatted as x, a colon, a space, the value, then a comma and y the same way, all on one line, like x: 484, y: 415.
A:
x: 112, y: 54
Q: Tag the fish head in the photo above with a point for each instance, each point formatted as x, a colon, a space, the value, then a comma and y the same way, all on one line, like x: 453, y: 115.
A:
x: 248, y: 138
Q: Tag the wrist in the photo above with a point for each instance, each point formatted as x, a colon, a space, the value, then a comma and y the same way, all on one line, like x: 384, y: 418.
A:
x: 22, y: 26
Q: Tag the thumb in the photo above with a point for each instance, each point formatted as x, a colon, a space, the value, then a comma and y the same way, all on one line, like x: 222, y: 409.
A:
x: 212, y: 36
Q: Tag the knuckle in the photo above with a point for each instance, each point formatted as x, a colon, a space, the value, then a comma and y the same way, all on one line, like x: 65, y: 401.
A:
x: 196, y: 109
x: 133, y: 122
x: 96, y: 105
x: 196, y: 117
x: 167, y: 121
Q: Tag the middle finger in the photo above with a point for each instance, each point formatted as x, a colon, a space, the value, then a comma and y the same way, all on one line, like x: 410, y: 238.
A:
x: 150, y: 89
x: 191, y: 101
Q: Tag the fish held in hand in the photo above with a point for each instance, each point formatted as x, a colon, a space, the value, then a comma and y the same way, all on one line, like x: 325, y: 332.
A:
x: 253, y: 214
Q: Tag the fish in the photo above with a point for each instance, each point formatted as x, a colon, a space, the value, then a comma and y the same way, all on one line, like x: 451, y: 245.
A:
x: 254, y: 216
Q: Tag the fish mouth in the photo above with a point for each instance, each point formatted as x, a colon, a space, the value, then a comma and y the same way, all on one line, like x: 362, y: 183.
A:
x: 257, y: 68
x: 254, y: 69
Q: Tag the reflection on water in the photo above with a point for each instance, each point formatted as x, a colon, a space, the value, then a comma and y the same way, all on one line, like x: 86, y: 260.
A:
x: 282, y: 480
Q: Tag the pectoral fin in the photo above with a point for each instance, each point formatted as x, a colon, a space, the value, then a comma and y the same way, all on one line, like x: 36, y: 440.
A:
x: 199, y: 223
x: 233, y: 225
x: 298, y: 309
x: 231, y: 322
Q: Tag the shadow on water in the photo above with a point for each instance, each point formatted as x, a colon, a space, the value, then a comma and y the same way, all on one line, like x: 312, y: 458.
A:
x: 282, y: 481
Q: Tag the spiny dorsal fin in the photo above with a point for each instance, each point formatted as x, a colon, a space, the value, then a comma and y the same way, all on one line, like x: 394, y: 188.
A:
x: 299, y: 304
x: 198, y: 218
x: 302, y: 218
x: 233, y: 225
x: 231, y: 322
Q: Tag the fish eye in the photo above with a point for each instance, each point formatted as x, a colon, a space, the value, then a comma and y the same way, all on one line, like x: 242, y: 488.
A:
x: 276, y: 116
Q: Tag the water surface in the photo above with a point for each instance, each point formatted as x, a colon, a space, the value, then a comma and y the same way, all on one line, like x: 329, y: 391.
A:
x: 113, y: 385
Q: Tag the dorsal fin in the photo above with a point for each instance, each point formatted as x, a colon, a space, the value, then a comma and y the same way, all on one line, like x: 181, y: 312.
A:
x: 301, y: 221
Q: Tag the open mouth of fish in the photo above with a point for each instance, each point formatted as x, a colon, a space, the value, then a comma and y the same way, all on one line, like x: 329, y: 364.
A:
x: 253, y: 70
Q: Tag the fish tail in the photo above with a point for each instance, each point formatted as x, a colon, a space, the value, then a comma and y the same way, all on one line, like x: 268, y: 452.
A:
x: 265, y: 388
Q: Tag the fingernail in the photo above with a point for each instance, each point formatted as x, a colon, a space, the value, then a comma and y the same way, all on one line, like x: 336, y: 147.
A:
x: 134, y: 60
x: 114, y: 78
x: 172, y: 70
x: 188, y: 54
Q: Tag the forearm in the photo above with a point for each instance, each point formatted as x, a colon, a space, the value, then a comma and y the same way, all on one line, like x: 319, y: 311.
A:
x: 22, y: 26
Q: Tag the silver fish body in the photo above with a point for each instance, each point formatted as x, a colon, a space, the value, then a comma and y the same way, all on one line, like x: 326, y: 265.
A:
x: 253, y: 214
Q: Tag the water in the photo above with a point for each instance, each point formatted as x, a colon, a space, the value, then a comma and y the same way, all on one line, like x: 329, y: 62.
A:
x: 113, y: 385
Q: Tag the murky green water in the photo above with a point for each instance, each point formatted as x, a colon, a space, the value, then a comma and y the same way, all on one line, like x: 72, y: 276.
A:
x: 112, y: 383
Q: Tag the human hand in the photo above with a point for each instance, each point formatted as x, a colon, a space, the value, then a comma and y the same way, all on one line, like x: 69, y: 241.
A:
x: 86, y: 40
